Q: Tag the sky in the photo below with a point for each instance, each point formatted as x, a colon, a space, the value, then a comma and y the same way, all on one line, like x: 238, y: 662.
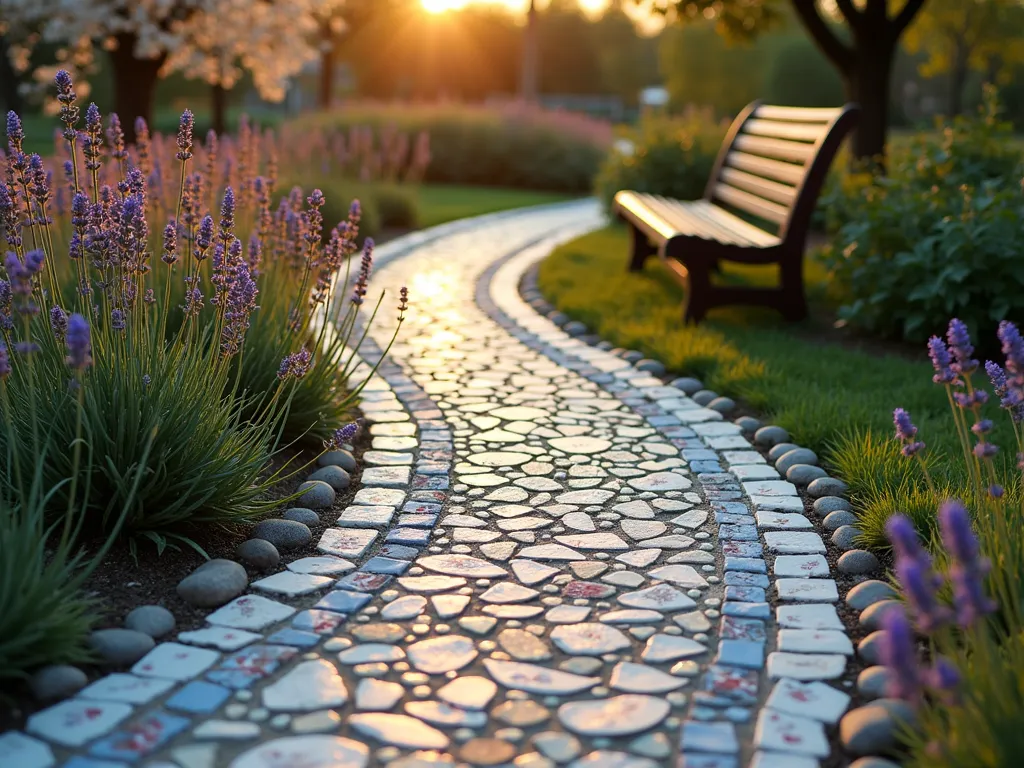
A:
x: 439, y: 6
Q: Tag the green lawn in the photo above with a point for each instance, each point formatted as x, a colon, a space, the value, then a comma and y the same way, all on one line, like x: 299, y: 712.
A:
x: 833, y: 397
x: 439, y: 203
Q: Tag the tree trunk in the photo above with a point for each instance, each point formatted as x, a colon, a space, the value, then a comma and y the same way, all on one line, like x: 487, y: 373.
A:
x: 219, y: 108
x: 9, y: 80
x: 957, y: 79
x: 326, y: 95
x: 134, y: 84
x: 528, y: 74
x: 867, y: 83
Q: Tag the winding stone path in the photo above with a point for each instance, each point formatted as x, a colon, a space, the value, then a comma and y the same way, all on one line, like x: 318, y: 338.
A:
x: 552, y: 561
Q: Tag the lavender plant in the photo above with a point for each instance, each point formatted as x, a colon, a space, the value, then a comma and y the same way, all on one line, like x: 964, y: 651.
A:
x: 962, y: 586
x: 189, y: 345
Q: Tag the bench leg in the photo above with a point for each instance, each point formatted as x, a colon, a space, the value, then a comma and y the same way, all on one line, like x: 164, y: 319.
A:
x: 791, y: 279
x: 698, y: 291
x: 640, y: 249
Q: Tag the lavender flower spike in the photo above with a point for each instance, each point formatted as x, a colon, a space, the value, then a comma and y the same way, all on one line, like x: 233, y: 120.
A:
x: 295, y: 365
x: 919, y: 588
x: 79, y: 343
x: 58, y: 322
x: 343, y: 435
x: 905, y: 543
x: 968, y: 573
x: 899, y: 655
x: 185, y: 126
x: 905, y: 432
x: 960, y: 344
x: 5, y: 362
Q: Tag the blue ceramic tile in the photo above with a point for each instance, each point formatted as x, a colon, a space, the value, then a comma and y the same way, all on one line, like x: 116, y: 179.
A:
x: 295, y: 637
x: 320, y: 622
x: 398, y: 551
x: 417, y: 521
x: 141, y: 737
x: 388, y: 564
x: 343, y: 601
x: 198, y: 696
x: 408, y: 536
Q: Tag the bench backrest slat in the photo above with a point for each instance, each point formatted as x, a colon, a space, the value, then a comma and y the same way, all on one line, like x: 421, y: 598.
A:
x: 774, y: 160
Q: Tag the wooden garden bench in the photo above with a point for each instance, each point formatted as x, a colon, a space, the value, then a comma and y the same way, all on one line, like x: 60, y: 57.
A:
x: 770, y: 168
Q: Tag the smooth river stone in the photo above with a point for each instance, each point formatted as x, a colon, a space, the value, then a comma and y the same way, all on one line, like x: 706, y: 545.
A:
x: 311, y: 685
x: 366, y: 653
x: 462, y: 565
x: 518, y: 413
x: 671, y: 647
x: 530, y: 572
x: 579, y: 521
x: 443, y: 714
x: 536, y: 679
x: 399, y: 731
x: 617, y: 716
x: 508, y: 592
x: 408, y: 607
x: 643, y: 529
x: 587, y: 496
x: 638, y: 510
x: 309, y: 751
x: 589, y: 639
x: 523, y: 645
x: 551, y: 552
x: 428, y: 584
x: 442, y: 654
x: 469, y: 692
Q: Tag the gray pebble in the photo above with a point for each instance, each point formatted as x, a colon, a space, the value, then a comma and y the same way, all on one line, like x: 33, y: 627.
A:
x: 857, y: 562
x: 803, y: 474
x: 871, y: 682
x: 827, y: 504
x: 258, y: 553
x: 722, y: 404
x: 748, y: 424
x: 874, y: 728
x: 704, y: 396
x: 771, y: 435
x: 339, y: 458
x: 845, y: 537
x: 213, y: 584
x: 868, y: 593
x: 653, y: 367
x: 796, y: 456
x: 688, y: 384
x: 302, y: 515
x: 779, y: 450
x: 590, y: 338
x: 632, y: 355
x: 873, y: 762
x: 153, y: 620
x: 870, y: 648
x: 558, y: 318
x: 605, y: 346
x: 575, y: 328
x: 827, y: 486
x: 119, y: 647
x: 57, y: 682
x: 872, y: 616
x: 336, y: 477
x: 283, y: 534
x: 838, y: 519
x: 316, y: 494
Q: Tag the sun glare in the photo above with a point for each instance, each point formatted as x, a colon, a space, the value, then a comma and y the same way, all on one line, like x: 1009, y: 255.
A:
x: 592, y: 7
x: 440, y: 6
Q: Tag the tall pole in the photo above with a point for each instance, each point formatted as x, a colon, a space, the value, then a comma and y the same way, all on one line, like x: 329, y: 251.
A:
x: 528, y: 74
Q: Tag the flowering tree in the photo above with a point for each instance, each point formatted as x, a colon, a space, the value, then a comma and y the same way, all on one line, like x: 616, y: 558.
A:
x: 210, y: 39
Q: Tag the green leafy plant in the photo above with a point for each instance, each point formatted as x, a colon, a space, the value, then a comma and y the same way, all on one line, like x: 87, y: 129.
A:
x: 938, y: 236
x: 670, y: 156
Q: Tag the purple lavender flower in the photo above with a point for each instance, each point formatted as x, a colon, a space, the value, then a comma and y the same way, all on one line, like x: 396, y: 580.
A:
x: 968, y: 572
x: 941, y: 361
x: 241, y: 302
x: 58, y: 322
x: 343, y: 435
x: 1013, y: 347
x: 905, y: 430
x: 918, y: 583
x: 193, y: 298
x: 93, y: 122
x: 6, y: 296
x: 39, y: 183
x: 899, y: 655
x: 943, y: 678
x: 185, y: 126
x: 66, y: 96
x: 363, y: 278
x: 170, y: 255
x: 15, y: 133
x: 1010, y: 399
x: 5, y: 362
x: 960, y: 344
x: 403, y: 305
x: 115, y: 138
x: 295, y: 365
x: 227, y: 215
x: 79, y: 343
x: 905, y: 543
x: 204, y: 238
x: 26, y: 348
x: 117, y: 319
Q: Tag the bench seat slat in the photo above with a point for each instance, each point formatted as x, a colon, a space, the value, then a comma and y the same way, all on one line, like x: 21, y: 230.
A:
x: 771, y: 190
x: 798, y: 114
x: 774, y: 148
x: 752, y: 203
x: 668, y: 218
x: 762, y: 166
x: 780, y: 130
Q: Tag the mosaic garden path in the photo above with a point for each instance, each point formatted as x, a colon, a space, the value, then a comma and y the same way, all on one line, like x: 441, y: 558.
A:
x: 554, y: 559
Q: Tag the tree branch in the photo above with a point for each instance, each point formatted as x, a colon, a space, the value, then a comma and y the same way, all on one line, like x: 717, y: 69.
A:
x: 834, y: 49
x: 850, y: 13
x: 902, y: 19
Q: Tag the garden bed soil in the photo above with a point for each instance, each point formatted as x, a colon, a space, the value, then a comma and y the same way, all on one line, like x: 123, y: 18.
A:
x: 124, y: 580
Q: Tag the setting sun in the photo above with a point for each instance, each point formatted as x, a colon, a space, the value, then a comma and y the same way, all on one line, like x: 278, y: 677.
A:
x: 518, y: 6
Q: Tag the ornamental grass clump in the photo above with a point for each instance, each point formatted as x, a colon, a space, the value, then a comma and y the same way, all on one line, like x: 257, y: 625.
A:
x: 196, y: 291
x: 962, y: 582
